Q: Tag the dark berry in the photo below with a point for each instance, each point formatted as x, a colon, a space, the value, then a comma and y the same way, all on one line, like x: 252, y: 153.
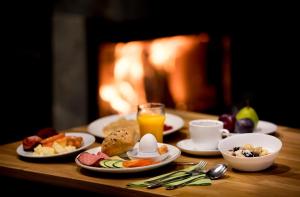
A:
x: 247, y: 153
x: 236, y: 148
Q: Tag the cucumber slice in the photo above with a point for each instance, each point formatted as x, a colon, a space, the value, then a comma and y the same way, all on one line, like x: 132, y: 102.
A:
x: 118, y: 164
x: 110, y: 163
x: 102, y: 163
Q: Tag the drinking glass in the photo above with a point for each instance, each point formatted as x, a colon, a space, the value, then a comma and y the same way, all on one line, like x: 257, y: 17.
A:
x: 151, y: 118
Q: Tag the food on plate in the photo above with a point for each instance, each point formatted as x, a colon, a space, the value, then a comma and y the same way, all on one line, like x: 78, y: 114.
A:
x: 120, y: 124
x: 245, y: 121
x: 167, y: 127
x: 229, y: 121
x: 57, y: 144
x: 148, y: 144
x: 119, y: 141
x: 148, y: 148
x: 124, y: 123
x: 111, y: 151
x: 162, y: 149
x: 29, y: 143
x: 92, y: 159
x: 138, y: 163
x: 70, y: 141
x: 46, y: 132
x: 248, y: 112
x: 48, y: 142
x: 244, y: 125
x: 248, y: 150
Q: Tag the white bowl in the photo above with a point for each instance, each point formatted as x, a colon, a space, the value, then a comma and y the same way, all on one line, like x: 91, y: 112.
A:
x: 251, y: 164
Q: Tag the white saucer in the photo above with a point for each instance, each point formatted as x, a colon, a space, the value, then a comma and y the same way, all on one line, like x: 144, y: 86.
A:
x: 189, y: 147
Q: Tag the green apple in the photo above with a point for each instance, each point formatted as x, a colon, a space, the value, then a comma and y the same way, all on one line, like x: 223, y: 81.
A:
x: 248, y: 112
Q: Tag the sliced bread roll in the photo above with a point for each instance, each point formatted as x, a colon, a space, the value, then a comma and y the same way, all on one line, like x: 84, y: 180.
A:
x: 119, y: 141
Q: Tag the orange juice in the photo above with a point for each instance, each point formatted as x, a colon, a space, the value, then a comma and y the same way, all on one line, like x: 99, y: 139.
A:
x: 152, y: 123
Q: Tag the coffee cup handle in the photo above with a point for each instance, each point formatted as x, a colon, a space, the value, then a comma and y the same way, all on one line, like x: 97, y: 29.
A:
x: 225, y: 133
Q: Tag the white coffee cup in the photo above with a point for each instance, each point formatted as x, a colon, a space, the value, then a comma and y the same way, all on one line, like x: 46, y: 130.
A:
x: 206, y: 134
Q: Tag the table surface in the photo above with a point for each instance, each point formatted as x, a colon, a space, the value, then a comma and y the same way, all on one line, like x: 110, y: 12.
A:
x: 283, y: 178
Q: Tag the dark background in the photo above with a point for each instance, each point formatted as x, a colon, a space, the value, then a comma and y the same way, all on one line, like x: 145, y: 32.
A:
x: 265, y: 56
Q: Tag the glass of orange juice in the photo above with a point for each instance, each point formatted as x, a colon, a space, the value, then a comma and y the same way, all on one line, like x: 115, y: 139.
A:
x: 151, y: 118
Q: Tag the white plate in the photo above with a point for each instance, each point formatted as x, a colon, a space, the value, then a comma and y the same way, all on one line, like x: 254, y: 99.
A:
x: 87, y: 141
x: 189, y: 147
x: 96, y: 127
x: 174, y: 153
x: 263, y: 127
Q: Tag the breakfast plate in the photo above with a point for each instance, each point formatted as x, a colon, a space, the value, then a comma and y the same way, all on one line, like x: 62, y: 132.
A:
x: 96, y: 127
x: 88, y: 140
x: 188, y: 146
x: 265, y: 127
x: 173, y: 152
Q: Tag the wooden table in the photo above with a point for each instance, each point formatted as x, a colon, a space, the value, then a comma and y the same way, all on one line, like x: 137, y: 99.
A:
x: 283, y: 178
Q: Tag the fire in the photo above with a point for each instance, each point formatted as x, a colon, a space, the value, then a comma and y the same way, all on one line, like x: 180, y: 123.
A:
x: 136, y: 62
x: 128, y: 75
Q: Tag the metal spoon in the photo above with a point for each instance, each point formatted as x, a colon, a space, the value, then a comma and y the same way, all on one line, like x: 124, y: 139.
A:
x: 217, y: 171
x: 214, y: 173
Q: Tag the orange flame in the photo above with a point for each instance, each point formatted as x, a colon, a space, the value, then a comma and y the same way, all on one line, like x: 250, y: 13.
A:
x: 127, y: 89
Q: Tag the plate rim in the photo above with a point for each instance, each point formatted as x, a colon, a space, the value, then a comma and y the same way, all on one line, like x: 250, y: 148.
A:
x: 197, y: 152
x: 129, y: 170
x: 100, y: 135
x: 92, y: 139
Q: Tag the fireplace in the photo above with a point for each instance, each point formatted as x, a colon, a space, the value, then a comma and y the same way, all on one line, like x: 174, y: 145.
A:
x: 171, y: 70
x: 114, y: 64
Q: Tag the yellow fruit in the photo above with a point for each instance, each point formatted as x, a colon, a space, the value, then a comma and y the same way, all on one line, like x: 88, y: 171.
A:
x: 248, y: 112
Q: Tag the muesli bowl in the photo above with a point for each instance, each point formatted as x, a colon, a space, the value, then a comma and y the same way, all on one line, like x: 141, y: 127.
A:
x: 267, y: 142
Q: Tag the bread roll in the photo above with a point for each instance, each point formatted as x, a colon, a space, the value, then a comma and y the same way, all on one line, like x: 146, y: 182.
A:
x: 119, y: 141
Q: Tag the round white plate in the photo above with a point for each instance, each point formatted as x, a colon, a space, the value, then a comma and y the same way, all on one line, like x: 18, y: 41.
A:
x: 87, y: 141
x: 189, y: 147
x: 174, y: 153
x: 263, y: 127
x: 96, y: 127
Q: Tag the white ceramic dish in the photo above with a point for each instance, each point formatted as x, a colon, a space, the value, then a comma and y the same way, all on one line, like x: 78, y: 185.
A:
x: 173, y: 154
x: 96, y: 127
x: 87, y: 141
x: 188, y: 146
x: 135, y: 154
x: 264, y: 127
x: 271, y: 143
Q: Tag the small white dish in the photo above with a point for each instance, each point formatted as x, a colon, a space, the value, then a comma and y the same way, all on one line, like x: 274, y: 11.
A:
x: 135, y: 154
x: 96, y: 127
x: 88, y: 140
x: 250, y: 164
x: 190, y: 147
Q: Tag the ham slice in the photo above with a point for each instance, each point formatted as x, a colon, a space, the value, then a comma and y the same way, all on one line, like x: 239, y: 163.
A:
x: 91, y: 159
x: 46, y: 132
x: 29, y: 143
